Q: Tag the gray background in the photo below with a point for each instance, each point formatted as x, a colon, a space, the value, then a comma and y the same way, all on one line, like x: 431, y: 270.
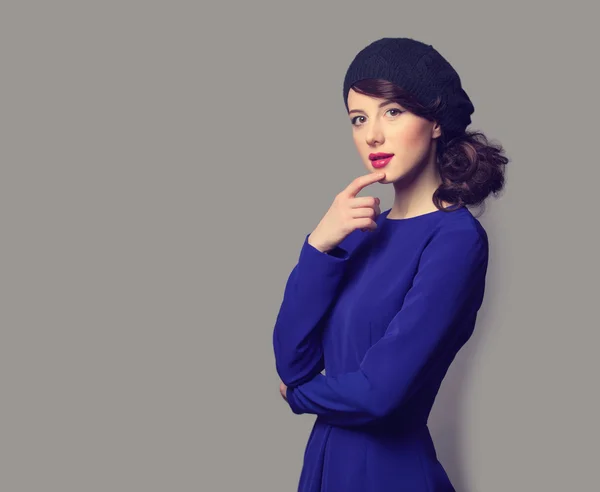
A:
x: 161, y: 165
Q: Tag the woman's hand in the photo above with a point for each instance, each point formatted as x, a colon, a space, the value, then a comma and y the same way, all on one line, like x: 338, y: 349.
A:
x: 283, y: 390
x: 347, y: 213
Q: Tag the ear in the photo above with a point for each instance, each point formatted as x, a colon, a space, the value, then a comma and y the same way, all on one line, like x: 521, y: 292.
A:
x: 436, y: 130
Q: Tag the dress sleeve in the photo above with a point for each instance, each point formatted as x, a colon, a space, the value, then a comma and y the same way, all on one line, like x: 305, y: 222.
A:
x: 448, y: 286
x: 308, y: 294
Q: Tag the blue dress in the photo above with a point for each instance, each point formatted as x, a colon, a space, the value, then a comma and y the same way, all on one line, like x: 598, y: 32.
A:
x: 382, y: 315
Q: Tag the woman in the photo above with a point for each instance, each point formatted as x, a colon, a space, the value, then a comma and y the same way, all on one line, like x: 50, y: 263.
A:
x: 384, y: 301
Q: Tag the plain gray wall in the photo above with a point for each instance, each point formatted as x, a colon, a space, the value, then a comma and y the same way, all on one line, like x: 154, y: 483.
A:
x: 161, y: 165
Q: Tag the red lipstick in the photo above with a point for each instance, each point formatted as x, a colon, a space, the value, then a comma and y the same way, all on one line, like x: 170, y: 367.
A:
x: 380, y: 159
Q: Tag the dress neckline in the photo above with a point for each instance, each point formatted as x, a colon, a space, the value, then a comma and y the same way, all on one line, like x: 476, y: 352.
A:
x: 416, y: 218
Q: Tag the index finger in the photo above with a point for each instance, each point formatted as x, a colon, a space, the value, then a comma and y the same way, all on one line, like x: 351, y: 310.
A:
x: 361, y: 182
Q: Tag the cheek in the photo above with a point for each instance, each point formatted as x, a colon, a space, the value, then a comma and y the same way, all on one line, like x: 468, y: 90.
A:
x: 410, y: 137
x: 359, y: 143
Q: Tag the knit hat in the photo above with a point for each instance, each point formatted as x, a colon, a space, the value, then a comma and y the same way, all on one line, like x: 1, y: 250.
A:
x: 421, y: 70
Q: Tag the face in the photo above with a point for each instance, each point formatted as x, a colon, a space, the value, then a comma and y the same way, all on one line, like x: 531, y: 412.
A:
x: 382, y: 127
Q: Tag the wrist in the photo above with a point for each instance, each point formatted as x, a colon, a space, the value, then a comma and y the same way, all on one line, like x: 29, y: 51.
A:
x: 319, y: 246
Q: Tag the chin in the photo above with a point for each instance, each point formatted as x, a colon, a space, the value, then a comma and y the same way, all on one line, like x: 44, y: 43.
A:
x: 390, y: 174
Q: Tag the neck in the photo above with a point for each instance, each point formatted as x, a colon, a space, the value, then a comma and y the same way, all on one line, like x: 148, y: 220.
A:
x: 414, y: 192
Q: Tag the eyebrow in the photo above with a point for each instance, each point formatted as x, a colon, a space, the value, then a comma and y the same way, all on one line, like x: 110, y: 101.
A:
x: 381, y: 105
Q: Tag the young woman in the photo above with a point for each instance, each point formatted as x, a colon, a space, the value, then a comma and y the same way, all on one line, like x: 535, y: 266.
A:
x: 384, y: 301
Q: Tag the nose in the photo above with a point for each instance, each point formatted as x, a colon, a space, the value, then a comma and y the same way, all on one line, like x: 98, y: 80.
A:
x: 374, y: 135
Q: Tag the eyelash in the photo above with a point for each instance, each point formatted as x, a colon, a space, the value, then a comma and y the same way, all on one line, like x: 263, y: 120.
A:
x: 353, y: 120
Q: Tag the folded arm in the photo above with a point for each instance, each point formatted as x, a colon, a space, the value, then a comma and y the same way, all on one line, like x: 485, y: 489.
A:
x: 310, y: 289
x: 447, y: 286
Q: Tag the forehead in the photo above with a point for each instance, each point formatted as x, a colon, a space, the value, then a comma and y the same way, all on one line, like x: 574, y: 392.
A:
x: 362, y: 102
x: 358, y: 98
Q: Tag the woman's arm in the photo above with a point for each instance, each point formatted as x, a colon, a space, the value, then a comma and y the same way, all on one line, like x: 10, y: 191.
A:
x: 314, y: 282
x: 309, y: 292
x: 449, y: 285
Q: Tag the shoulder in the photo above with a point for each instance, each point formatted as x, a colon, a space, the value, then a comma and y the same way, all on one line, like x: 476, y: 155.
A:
x: 460, y: 224
x: 459, y: 233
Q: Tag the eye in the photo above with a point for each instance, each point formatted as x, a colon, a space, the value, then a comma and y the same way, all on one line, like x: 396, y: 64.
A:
x: 397, y: 110
x: 353, y: 120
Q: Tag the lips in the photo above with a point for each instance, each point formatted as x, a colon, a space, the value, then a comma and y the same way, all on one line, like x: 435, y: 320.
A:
x: 379, y: 155
x: 384, y: 161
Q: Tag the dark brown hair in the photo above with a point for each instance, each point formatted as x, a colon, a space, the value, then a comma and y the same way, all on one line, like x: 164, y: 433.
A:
x: 470, y: 166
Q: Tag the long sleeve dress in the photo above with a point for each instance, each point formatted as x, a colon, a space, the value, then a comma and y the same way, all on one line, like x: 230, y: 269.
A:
x: 383, y: 315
